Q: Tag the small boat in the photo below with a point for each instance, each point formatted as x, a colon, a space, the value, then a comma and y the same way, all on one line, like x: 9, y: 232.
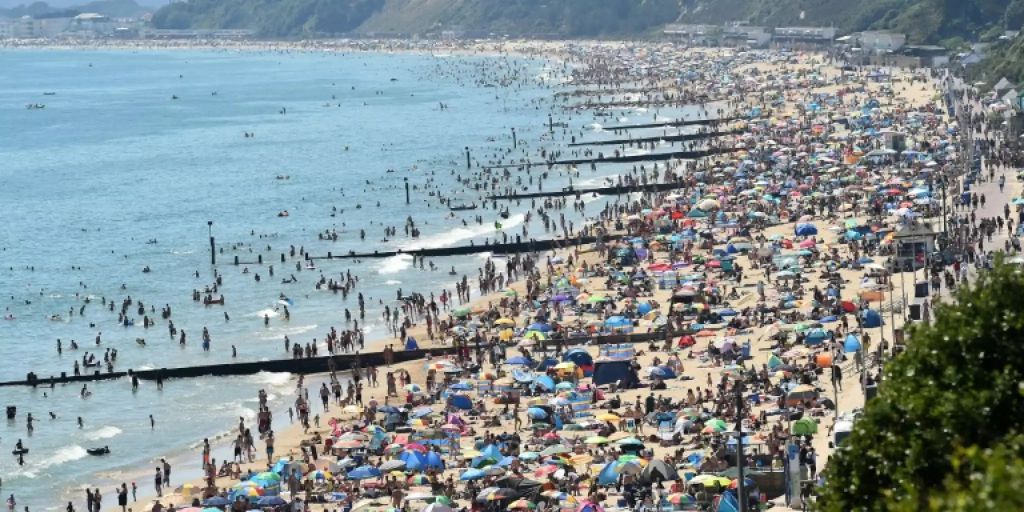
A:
x: 98, y: 451
x: 462, y: 207
x: 35, y: 106
x: 49, y: 94
x: 282, y: 213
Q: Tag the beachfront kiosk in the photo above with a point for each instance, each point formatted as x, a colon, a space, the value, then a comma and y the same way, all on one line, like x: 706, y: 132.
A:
x: 915, y: 241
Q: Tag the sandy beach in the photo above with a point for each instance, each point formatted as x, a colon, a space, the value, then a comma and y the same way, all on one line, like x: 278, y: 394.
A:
x: 774, y: 266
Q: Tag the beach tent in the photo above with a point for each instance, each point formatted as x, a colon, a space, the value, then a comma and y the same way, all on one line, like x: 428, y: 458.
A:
x: 805, y: 229
x: 410, y: 344
x: 607, y: 372
x: 461, y: 402
x: 870, y: 319
x: 851, y: 343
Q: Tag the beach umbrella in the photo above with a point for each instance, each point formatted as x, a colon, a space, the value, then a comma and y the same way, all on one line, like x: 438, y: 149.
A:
x: 658, y: 470
x: 538, y: 326
x: 529, y: 456
x: 708, y: 479
x: 630, y: 441
x: 680, y: 498
x: 545, y: 470
x: 518, y: 361
x: 392, y: 465
x: 271, y: 501
x: 437, y: 507
x: 521, y: 504
x: 267, y: 476
x: 419, y: 480
x: 555, y: 450
x: 472, y: 474
x: 596, y: 440
x: 216, y: 501
x: 363, y: 473
x: 536, y: 413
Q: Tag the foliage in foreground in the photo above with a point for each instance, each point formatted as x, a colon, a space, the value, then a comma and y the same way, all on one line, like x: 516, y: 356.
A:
x: 945, y: 431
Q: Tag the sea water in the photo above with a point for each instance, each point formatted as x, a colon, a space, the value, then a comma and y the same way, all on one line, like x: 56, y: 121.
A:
x: 115, y: 175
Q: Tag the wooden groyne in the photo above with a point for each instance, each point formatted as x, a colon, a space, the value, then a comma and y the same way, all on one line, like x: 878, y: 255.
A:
x: 579, y: 192
x: 304, y: 366
x: 669, y: 124
x: 667, y: 138
x: 648, y: 157
x: 494, y: 247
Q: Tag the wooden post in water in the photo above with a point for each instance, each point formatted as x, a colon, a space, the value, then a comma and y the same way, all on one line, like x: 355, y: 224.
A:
x: 213, y: 246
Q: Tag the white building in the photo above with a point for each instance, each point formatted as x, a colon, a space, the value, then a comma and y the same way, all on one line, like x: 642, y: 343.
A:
x: 881, y: 41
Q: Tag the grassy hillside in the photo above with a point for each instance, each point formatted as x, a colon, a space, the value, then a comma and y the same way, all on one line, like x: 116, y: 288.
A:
x: 298, y: 18
x: 925, y: 21
x: 1006, y: 59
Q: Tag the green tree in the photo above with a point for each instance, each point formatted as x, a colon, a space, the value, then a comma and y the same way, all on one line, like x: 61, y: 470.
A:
x: 954, y: 394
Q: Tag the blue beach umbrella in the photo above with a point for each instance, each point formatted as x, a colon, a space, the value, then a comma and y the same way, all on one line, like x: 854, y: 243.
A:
x: 363, y: 473
x: 536, y: 413
x: 271, y: 501
x: 216, y: 501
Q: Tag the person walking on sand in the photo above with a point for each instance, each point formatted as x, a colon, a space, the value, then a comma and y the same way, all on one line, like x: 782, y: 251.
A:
x: 167, y: 472
x: 270, y: 446
x: 122, y: 497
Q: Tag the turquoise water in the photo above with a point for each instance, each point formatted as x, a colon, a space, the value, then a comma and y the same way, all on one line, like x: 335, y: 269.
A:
x: 113, y: 162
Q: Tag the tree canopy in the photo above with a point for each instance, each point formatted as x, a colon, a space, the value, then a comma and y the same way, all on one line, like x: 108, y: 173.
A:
x: 945, y: 432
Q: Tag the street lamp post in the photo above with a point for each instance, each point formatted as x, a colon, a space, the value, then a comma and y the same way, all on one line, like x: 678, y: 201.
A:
x: 740, y: 486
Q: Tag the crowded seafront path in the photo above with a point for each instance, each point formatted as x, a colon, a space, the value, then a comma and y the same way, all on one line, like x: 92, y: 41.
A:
x: 645, y: 157
x: 667, y: 138
x: 305, y: 366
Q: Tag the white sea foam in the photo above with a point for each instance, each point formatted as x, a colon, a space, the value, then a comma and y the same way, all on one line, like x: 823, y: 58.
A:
x: 454, y: 236
x: 265, y: 312
x: 394, y: 264
x: 392, y: 282
x: 106, y: 432
x: 61, y: 456
x: 272, y: 378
